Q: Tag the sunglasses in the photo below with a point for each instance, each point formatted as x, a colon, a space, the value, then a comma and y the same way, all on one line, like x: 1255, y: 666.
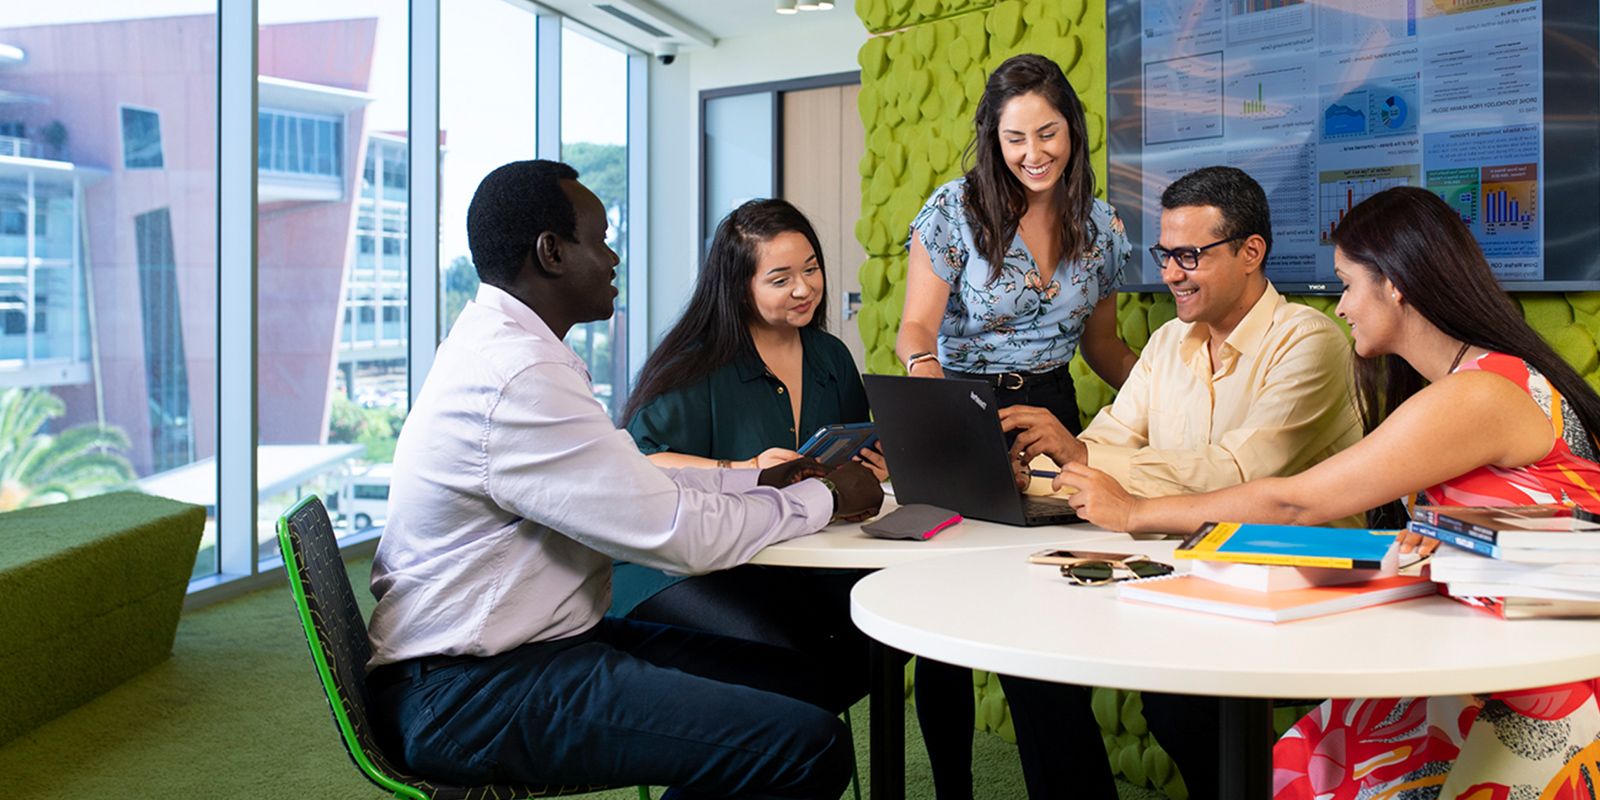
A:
x: 1097, y: 572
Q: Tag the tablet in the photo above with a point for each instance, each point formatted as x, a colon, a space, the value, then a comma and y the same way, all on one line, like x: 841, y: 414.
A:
x: 836, y: 444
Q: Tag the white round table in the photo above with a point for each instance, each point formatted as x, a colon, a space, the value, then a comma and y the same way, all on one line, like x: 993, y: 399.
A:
x: 993, y: 610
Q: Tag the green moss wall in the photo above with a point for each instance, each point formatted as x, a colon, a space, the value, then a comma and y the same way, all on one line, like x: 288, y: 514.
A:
x: 921, y: 76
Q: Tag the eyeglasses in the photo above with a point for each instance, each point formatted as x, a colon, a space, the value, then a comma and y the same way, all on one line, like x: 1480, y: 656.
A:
x: 1188, y: 258
x: 1095, y: 572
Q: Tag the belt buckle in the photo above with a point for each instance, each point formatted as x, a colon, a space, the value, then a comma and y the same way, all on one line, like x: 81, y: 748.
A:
x: 1000, y: 382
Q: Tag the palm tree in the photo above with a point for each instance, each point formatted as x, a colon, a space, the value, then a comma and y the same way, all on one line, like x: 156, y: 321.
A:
x: 39, y: 468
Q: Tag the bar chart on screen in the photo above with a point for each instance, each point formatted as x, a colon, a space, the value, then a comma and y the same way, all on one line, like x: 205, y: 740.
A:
x: 1341, y: 190
x: 1510, y: 199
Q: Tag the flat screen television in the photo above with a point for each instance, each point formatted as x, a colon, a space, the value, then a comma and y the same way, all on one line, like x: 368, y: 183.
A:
x: 1493, y: 104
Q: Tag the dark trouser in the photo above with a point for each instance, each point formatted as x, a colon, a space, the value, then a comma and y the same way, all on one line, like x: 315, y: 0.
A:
x: 1057, y: 736
x: 797, y: 609
x: 1058, y: 739
x: 1187, y: 727
x: 624, y: 703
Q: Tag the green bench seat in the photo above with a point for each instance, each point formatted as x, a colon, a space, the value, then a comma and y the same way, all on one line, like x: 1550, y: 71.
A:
x: 91, y: 591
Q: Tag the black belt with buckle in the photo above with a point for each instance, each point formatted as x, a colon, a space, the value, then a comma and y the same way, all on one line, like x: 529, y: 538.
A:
x: 1014, y: 381
x: 411, y: 669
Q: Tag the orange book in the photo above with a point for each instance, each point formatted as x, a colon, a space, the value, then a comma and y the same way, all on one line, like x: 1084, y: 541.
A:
x: 1198, y: 594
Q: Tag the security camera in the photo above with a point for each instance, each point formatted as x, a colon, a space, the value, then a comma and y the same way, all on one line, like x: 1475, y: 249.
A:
x: 666, y: 53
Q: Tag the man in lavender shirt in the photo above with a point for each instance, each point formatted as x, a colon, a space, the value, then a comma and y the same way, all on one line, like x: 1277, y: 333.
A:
x: 512, y: 495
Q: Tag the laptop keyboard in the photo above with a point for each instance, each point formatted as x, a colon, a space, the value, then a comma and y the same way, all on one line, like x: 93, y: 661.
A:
x: 1047, y: 509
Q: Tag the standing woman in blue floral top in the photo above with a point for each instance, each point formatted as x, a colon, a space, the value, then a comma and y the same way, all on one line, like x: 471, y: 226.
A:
x: 1013, y: 267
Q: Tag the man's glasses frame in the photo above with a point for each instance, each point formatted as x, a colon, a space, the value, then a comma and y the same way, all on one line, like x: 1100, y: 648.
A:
x: 1099, y: 572
x: 1188, y: 258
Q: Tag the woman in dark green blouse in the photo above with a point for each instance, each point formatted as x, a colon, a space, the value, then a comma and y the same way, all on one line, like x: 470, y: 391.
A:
x: 745, y: 376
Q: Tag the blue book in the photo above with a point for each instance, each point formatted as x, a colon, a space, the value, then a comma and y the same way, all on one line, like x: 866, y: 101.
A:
x: 1289, y: 545
x: 1459, y: 539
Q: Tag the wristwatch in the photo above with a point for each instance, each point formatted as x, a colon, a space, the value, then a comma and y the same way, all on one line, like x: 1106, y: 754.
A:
x: 832, y: 490
x: 916, y: 358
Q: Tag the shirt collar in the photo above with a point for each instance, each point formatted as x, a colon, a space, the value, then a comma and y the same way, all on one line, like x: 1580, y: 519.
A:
x: 817, y: 369
x: 1248, y: 336
x: 493, y: 298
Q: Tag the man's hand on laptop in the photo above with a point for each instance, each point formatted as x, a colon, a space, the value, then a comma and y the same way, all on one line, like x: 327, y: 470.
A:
x: 857, y: 494
x: 1039, y: 432
x: 789, y: 473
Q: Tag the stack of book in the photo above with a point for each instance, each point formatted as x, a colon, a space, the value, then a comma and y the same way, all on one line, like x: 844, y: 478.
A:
x: 1279, y: 573
x: 1517, y: 562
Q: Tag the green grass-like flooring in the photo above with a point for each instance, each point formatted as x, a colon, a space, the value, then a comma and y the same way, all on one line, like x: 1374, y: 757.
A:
x: 237, y: 713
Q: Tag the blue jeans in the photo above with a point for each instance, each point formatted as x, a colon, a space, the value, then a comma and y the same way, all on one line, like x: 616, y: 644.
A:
x: 621, y: 704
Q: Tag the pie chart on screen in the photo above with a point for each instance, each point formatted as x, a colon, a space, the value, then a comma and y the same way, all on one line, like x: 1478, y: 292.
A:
x: 1392, y: 112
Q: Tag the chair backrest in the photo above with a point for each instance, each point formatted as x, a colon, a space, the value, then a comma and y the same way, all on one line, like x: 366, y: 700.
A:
x: 337, y: 635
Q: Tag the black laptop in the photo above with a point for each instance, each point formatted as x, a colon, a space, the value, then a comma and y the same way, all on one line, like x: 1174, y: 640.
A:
x: 942, y: 440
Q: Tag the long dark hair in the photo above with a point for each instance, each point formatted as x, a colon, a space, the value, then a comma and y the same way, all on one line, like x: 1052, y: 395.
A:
x: 714, y: 328
x: 1415, y: 240
x: 995, y: 200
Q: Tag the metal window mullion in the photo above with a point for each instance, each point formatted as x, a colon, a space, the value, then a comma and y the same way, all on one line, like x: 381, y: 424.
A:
x: 237, y: 334
x: 638, y: 205
x: 422, y: 192
x: 547, y: 87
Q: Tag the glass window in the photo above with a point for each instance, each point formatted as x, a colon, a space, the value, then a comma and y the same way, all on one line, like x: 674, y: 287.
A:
x: 138, y: 375
x: 297, y: 143
x: 487, y: 60
x: 141, y: 139
x: 594, y: 140
x: 739, y: 156
x: 332, y: 375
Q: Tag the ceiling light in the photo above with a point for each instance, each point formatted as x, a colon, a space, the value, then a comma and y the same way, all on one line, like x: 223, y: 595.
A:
x: 786, y: 7
x: 824, y: 5
x: 807, y: 5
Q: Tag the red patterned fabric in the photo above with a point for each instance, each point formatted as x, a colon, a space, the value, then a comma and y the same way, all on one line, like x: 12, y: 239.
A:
x: 1567, y: 474
x: 1535, y: 743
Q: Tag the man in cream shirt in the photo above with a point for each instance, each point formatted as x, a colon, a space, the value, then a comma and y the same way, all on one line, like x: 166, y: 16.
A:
x: 1242, y: 385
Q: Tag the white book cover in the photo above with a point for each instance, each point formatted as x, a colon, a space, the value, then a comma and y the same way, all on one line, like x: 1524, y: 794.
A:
x: 1269, y: 578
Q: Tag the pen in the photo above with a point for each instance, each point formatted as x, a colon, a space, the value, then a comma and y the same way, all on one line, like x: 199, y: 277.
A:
x: 1043, y: 473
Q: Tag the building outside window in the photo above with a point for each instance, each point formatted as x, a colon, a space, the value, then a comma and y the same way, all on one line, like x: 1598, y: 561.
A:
x: 107, y: 272
x: 306, y: 144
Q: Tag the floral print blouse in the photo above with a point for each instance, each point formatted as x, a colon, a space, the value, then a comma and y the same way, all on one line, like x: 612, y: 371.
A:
x: 1016, y: 323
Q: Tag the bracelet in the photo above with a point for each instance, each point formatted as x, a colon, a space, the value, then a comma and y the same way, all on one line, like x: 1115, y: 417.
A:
x: 832, y: 490
x: 918, y: 358
x: 723, y: 463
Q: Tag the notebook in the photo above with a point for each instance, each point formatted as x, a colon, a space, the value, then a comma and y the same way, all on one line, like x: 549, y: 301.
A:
x: 1198, y: 594
x: 1291, y: 546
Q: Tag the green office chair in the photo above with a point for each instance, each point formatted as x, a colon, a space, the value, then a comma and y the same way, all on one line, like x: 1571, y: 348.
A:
x: 337, y: 635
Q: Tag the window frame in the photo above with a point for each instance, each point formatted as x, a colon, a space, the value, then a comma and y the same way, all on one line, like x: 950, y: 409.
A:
x: 122, y: 137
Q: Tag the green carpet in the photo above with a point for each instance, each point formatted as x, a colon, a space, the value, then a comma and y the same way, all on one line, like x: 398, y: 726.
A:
x: 236, y: 713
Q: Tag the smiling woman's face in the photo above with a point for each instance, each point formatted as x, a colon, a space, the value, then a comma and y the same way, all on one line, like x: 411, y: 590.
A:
x: 788, y: 282
x: 1034, y: 141
x: 1370, y: 306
